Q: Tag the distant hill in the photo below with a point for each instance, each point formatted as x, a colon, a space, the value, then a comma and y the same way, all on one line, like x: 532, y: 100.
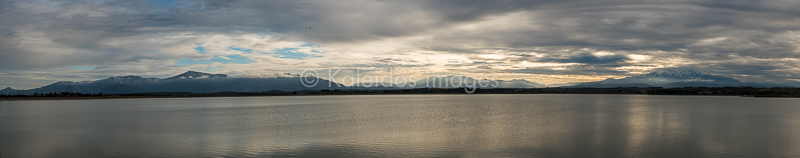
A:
x: 671, y: 78
x: 199, y: 82
x: 453, y: 82
x: 519, y: 83
x: 197, y: 75
x: 191, y: 81
x: 456, y: 81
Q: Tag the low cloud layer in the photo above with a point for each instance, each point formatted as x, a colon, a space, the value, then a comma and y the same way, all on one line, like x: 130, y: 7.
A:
x: 549, y: 42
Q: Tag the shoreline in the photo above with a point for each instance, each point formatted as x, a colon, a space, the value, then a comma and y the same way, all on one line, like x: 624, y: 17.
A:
x: 686, y: 91
x: 79, y: 98
x: 211, y: 96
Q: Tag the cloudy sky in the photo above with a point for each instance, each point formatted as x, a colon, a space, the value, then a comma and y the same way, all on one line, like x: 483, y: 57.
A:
x: 545, y: 41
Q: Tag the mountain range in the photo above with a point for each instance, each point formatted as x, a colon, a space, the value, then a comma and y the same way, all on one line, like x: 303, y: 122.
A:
x: 672, y: 79
x: 199, y: 82
x: 191, y: 81
x: 455, y: 82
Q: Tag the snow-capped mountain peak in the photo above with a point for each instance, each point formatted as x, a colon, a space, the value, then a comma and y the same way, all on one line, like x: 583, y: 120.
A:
x: 667, y: 78
x: 686, y: 76
x: 198, y: 75
x: 130, y: 77
x: 674, y: 74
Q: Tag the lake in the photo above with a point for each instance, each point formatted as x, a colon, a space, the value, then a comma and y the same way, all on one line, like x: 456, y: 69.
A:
x: 476, y: 125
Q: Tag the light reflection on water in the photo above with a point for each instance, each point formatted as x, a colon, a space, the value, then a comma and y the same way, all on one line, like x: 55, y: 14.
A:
x: 404, y: 126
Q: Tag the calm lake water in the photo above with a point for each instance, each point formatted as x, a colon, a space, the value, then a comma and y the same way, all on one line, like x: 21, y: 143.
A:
x: 543, y: 125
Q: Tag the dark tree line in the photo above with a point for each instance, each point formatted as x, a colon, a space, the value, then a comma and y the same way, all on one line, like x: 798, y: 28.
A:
x: 730, y: 91
x: 55, y: 94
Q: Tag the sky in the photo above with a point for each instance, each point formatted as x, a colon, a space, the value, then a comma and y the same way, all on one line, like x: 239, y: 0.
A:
x: 543, y: 41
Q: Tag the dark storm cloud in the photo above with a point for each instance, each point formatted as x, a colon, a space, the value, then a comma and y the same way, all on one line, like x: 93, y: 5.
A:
x: 8, y: 48
x: 590, y: 59
x: 620, y: 25
x: 700, y: 31
x: 641, y: 25
x: 570, y: 70
x: 695, y: 31
x: 457, y: 10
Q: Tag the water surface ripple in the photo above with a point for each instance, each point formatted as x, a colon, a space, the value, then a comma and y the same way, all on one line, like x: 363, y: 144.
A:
x: 519, y: 125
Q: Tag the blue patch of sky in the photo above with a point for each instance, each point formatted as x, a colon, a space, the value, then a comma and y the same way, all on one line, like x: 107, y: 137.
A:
x: 82, y: 67
x: 232, y: 59
x: 292, y: 53
x: 289, y: 53
x: 239, y: 59
x: 241, y: 49
x: 212, y: 69
x: 200, y: 49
